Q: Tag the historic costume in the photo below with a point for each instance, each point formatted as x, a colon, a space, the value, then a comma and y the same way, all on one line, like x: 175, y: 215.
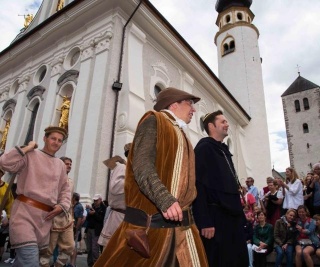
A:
x: 42, y: 183
x: 160, y: 171
x: 116, y: 202
x: 61, y: 235
x: 218, y: 205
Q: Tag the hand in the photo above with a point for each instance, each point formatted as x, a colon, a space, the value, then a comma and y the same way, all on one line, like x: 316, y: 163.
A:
x: 56, y: 211
x: 173, y: 213
x: 284, y: 247
x: 92, y: 211
x: 208, y: 232
x: 31, y: 146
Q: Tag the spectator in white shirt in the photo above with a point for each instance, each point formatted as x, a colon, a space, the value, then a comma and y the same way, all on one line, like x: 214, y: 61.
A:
x: 293, y: 190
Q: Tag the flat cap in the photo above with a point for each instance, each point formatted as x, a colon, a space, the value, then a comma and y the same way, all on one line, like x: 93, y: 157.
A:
x: 170, y: 95
x: 56, y: 129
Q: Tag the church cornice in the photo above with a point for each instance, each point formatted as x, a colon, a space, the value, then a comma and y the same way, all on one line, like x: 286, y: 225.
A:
x: 36, y: 91
x: 70, y: 75
x: 9, y: 104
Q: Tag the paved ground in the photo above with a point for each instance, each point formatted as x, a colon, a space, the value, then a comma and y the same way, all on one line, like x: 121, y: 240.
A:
x: 81, y: 260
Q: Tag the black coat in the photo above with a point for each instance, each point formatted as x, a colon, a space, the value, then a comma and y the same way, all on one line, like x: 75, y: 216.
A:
x: 215, y: 181
x: 218, y: 205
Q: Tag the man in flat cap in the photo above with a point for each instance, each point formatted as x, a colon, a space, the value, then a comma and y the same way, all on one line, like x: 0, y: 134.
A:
x: 116, y: 201
x: 159, y: 189
x: 43, y: 193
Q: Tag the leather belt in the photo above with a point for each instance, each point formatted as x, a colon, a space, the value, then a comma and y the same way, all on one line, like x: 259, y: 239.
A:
x: 119, y: 210
x: 34, y: 203
x: 139, y: 217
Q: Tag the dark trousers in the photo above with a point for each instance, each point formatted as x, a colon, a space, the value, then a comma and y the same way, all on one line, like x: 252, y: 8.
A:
x: 228, y: 248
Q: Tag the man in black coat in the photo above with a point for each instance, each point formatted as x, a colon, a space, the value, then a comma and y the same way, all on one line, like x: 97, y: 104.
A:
x: 217, y: 209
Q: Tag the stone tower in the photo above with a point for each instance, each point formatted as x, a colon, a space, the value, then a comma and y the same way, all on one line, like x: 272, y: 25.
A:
x: 301, y: 105
x: 239, y: 64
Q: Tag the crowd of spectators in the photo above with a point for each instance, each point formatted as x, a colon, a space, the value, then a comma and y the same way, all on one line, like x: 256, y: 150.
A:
x: 285, y: 219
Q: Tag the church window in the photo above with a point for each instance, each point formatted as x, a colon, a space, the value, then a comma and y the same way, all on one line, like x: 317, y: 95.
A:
x: 305, y: 128
x: 297, y: 105
x: 40, y: 74
x: 14, y: 89
x: 306, y: 103
x: 225, y: 48
x: 228, y: 47
x: 157, y: 90
x: 232, y: 46
x: 239, y: 16
x: 228, y: 18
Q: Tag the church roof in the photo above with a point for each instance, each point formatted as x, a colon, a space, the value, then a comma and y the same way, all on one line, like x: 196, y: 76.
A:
x: 222, y: 5
x: 299, y: 85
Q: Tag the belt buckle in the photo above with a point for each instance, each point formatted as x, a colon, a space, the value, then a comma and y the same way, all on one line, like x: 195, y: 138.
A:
x: 187, y: 221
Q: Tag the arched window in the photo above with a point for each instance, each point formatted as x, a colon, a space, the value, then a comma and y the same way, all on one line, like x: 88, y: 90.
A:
x: 225, y: 48
x: 239, y: 16
x: 306, y: 103
x: 228, y: 47
x: 232, y: 46
x: 228, y: 18
x: 157, y: 90
x: 297, y: 105
x: 305, y: 128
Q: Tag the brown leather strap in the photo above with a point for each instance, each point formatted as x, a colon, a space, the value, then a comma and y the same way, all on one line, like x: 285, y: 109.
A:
x: 140, y: 218
x: 35, y: 203
x: 119, y: 210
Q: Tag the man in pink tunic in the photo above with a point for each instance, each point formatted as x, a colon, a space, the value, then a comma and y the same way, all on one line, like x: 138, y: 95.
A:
x: 43, y: 192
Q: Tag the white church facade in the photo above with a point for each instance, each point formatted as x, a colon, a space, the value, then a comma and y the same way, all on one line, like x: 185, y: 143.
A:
x: 110, y: 59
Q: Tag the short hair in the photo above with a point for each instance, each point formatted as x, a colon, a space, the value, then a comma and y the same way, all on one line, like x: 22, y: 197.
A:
x: 316, y: 217
x: 76, y: 196
x: 291, y: 210
x: 269, y: 179
x: 317, y: 165
x: 250, y: 178
x: 65, y: 158
x: 274, y: 182
x: 210, y: 118
x: 261, y: 211
x: 303, y: 207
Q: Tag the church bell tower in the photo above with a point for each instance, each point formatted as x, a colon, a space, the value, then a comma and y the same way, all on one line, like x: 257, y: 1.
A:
x: 239, y: 65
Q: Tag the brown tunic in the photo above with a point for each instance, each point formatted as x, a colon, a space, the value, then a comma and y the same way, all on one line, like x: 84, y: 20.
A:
x: 42, y: 178
x: 160, y: 171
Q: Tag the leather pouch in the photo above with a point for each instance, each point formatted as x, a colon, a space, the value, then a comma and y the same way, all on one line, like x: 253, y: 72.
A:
x: 137, y: 239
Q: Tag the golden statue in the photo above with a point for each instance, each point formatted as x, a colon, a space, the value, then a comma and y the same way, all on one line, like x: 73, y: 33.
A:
x: 27, y: 20
x: 4, y: 135
x: 60, y: 5
x: 65, y: 108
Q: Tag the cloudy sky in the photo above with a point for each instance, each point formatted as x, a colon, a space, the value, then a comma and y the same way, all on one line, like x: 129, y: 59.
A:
x: 289, y: 36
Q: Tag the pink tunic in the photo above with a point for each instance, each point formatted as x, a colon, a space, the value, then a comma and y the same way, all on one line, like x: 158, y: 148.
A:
x: 43, y: 178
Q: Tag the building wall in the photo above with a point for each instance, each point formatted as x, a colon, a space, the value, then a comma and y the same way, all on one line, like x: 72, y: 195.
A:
x: 152, y: 56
